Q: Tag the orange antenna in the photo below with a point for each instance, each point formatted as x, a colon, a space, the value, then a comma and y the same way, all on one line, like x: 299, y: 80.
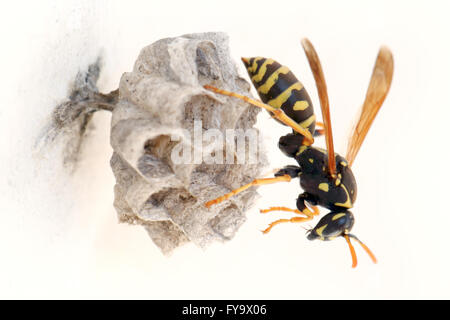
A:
x: 352, y: 250
x: 371, y: 255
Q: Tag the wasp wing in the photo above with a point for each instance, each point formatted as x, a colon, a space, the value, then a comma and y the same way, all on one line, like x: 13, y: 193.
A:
x: 379, y: 85
x: 316, y: 69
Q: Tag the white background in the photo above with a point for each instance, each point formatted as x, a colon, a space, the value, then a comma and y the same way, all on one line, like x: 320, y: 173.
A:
x: 59, y: 236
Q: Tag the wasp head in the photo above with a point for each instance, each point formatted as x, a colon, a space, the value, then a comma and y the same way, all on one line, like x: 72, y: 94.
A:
x: 334, y: 224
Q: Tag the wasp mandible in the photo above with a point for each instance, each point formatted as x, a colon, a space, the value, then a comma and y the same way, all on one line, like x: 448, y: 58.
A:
x: 325, y: 177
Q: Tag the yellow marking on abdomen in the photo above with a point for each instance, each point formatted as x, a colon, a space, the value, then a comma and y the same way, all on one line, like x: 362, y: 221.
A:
x: 324, y: 187
x: 254, y: 65
x: 301, y: 105
x: 311, y: 160
x: 278, y: 101
x: 337, y: 216
x: 305, y: 124
x: 272, y: 79
x: 262, y: 71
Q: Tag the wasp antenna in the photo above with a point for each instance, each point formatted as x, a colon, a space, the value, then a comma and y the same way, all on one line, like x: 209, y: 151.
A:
x: 308, y: 230
x: 371, y: 255
x: 352, y: 251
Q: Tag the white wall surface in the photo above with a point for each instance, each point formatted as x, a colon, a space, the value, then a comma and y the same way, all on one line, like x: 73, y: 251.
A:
x: 59, y: 236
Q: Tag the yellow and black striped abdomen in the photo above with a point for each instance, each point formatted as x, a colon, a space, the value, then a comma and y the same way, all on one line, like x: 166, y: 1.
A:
x: 278, y: 87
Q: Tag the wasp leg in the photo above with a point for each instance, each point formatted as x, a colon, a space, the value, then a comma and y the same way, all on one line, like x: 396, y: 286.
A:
x: 280, y: 209
x: 276, y: 112
x: 321, y: 131
x: 292, y: 171
x: 292, y: 220
x: 301, y: 209
x: 256, y: 182
x: 290, y: 144
x: 301, y: 206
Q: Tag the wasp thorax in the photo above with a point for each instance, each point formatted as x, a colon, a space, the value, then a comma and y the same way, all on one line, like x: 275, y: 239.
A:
x: 334, y: 224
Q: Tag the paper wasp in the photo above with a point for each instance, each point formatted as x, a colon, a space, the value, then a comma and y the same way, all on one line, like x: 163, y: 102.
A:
x: 325, y: 176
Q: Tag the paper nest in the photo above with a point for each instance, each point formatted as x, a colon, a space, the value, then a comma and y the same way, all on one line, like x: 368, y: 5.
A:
x: 161, y: 96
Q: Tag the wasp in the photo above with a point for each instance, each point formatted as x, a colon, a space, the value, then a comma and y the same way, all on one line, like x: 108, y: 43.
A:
x: 325, y: 176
